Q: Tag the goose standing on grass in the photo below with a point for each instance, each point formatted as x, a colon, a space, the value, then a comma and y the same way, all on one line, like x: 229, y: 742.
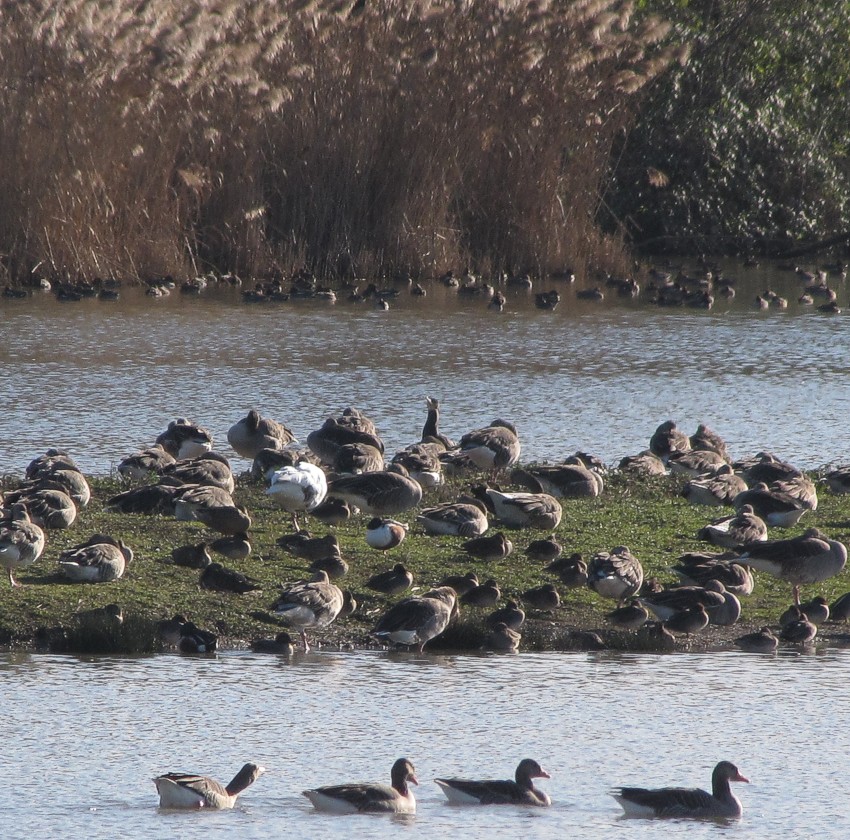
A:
x: 809, y: 558
x: 519, y: 791
x: 692, y: 803
x: 396, y: 798
x: 308, y: 604
x: 186, y: 790
x: 522, y: 510
x: 615, y: 574
x: 21, y: 542
x: 457, y: 519
x: 494, y: 447
x: 418, y: 619
x: 302, y: 487
x: 98, y: 560
x: 253, y: 433
x: 378, y: 493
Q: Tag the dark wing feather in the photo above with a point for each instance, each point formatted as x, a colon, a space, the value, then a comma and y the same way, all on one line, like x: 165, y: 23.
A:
x: 670, y: 802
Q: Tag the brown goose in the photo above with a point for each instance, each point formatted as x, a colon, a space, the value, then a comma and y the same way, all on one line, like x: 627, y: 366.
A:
x: 141, y: 464
x: 502, y: 639
x: 645, y: 463
x: 422, y: 461
x: 617, y: 574
x: 211, y: 468
x: 519, y: 791
x: 707, y: 439
x: 566, y: 480
x: 774, y: 507
x: 218, y: 578
x: 461, y: 519
x: 491, y: 548
x: 21, y: 542
x: 737, y: 579
x: 186, y: 790
x: 667, y: 439
x: 417, y: 620
x: 185, y: 439
x: 150, y: 499
x: 48, y: 508
x: 692, y: 803
x: 99, y: 559
x: 326, y: 441
x: 494, y: 447
x: 668, y: 602
x: 840, y: 608
x: 735, y: 531
x: 194, y: 497
x: 379, y: 493
x: 809, y: 558
x: 308, y: 604
x: 762, y: 641
x: 225, y: 519
x: 522, y: 510
x: 357, y: 458
x: 718, y: 489
x: 253, y: 433
x: 396, y: 798
x: 696, y: 463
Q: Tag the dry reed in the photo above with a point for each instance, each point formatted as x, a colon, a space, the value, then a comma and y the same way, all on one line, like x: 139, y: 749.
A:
x: 168, y: 137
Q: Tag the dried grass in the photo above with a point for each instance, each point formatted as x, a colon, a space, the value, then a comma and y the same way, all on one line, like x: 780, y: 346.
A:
x: 141, y: 139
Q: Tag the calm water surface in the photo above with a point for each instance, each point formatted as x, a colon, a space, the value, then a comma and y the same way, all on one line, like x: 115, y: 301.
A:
x: 85, y: 737
x: 101, y: 379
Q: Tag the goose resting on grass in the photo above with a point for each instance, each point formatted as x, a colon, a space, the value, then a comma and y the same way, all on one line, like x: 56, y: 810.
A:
x: 186, y: 790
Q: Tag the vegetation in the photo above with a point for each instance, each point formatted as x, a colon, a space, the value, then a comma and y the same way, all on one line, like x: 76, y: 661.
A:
x: 647, y: 515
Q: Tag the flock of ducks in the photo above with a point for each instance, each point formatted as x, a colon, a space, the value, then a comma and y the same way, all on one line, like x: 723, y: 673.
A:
x: 344, y: 470
x: 185, y: 790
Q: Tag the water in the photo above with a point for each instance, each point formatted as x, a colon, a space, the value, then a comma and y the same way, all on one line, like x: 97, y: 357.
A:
x: 101, y: 379
x: 86, y: 736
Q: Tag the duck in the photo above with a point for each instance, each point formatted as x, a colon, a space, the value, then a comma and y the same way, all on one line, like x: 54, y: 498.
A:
x: 762, y: 641
x: 615, y: 574
x: 688, y: 621
x: 502, y: 639
x: 801, y: 631
x: 511, y: 615
x: 809, y: 558
x: 495, y: 447
x: 232, y: 546
x: 631, y: 616
x: 334, y: 512
x: 335, y: 566
x: 519, y: 791
x: 281, y: 644
x: 98, y: 560
x: 195, y: 640
x: 169, y: 629
x: 141, y: 464
x: 490, y: 548
x: 460, y: 583
x: 185, y: 439
x: 21, y: 541
x: 378, y: 493
x: 522, y: 510
x: 571, y: 570
x: 691, y: 803
x: 187, y: 790
x: 253, y: 433
x: 839, y: 610
x: 774, y: 507
x: 719, y: 489
x: 191, y: 556
x: 392, y: 582
x: 544, y: 597
x: 384, y: 534
x: 486, y: 594
x: 546, y: 550
x: 218, y: 578
x: 418, y: 619
x: 567, y: 480
x: 395, y: 798
x: 301, y: 487
x: 816, y: 610
x: 302, y: 544
x: 735, y: 531
x: 310, y: 603
x: 460, y: 519
x: 667, y: 440
x: 226, y: 519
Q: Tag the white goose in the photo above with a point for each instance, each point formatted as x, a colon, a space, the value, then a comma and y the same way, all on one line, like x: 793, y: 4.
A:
x: 301, y: 487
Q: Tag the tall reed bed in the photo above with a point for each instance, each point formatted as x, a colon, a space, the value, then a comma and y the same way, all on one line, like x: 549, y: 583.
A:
x: 172, y: 136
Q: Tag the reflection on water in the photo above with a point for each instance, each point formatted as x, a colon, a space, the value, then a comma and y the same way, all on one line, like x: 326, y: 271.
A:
x: 104, y: 378
x: 95, y: 731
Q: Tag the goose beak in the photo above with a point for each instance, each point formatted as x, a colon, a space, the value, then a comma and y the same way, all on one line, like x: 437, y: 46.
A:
x: 412, y: 779
x: 543, y: 774
x: 740, y: 778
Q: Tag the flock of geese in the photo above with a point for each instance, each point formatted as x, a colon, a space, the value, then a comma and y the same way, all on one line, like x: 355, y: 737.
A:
x: 343, y: 470
x: 186, y: 790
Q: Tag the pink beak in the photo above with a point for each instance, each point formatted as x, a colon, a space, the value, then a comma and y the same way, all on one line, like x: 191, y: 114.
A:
x: 543, y: 774
x: 740, y: 778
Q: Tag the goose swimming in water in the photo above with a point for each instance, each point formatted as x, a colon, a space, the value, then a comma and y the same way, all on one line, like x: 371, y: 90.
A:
x: 519, y: 791
x: 187, y: 790
x: 396, y: 798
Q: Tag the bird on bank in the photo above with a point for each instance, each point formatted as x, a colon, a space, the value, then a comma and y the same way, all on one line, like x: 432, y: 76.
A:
x: 631, y: 616
x: 281, y: 644
x: 187, y: 790
x: 543, y: 597
x: 486, y: 594
x: 762, y: 641
x: 502, y: 639
x: 253, y: 433
x: 544, y: 551
x: 460, y: 583
x: 518, y: 791
x: 308, y: 604
x: 21, y: 542
x: 522, y: 510
x: 98, y: 560
x: 141, y: 464
x: 382, y: 493
x: 461, y: 519
x: 494, y: 448
x: 299, y: 488
x: 384, y: 534
x: 418, y: 619
x: 615, y: 574
x: 511, y: 615
x: 392, y: 582
x: 218, y: 578
x: 395, y: 798
x: 735, y: 531
x: 490, y: 548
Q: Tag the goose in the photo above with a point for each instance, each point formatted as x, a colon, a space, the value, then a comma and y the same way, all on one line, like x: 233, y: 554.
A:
x: 308, y: 604
x: 707, y: 439
x: 281, y: 644
x: 267, y: 461
x: 186, y: 790
x: 522, y: 510
x: 695, y: 463
x: 460, y: 519
x: 21, y: 541
x: 326, y: 441
x: 191, y: 556
x: 218, y: 578
x: 502, y: 639
x: 670, y: 601
x: 798, y: 487
x: 357, y: 458
x: 735, y: 531
x: 301, y: 487
x: 543, y: 597
x: 667, y: 440
x: 418, y: 619
x: 378, y: 493
x: 546, y: 550
x: 100, y: 559
x: 566, y: 480
x: 737, y: 579
x: 692, y: 803
x: 460, y: 583
x: 253, y: 433
x: 486, y: 594
x: 431, y: 431
x: 392, y: 582
x: 301, y: 544
x: 492, y: 548
x: 422, y: 462
x: 225, y: 519
x: 72, y: 482
x: 232, y: 546
x: 53, y: 459
x: 396, y: 798
x: 615, y: 574
x: 838, y: 480
x: 774, y: 507
x: 520, y: 791
x: 512, y: 615
x: 53, y: 509
x: 762, y: 641
x: 210, y: 468
x: 197, y: 496
x: 494, y: 447
x: 718, y: 489
x: 185, y: 439
x: 384, y: 534
x: 195, y: 640
x: 141, y: 464
x: 645, y: 463
x: 630, y: 616
x: 150, y: 499
x: 839, y: 610
x: 808, y: 558
x: 688, y: 621
x: 801, y: 631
